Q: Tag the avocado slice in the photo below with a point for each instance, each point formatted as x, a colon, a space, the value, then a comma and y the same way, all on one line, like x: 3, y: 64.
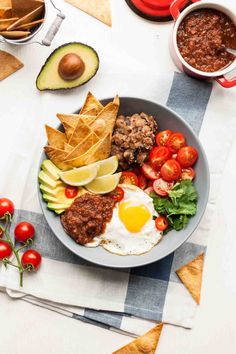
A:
x: 49, y: 167
x: 48, y: 181
x: 59, y: 211
x: 57, y: 206
x: 53, y: 192
x: 49, y: 77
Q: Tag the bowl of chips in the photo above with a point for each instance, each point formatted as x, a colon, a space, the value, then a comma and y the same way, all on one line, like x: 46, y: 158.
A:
x: 21, y: 20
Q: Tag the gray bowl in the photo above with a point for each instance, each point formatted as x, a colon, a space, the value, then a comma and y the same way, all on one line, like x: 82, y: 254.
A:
x: 166, y: 119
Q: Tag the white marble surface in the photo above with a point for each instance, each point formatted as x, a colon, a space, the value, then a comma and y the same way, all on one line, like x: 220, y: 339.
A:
x: 28, y: 329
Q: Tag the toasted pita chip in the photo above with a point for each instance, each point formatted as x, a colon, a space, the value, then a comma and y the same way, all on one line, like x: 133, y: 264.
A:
x: 14, y: 34
x: 109, y: 114
x: 91, y: 103
x: 32, y: 16
x: 83, y: 146
x: 191, y: 276
x: 28, y: 26
x: 20, y: 8
x: 9, y: 64
x: 5, y: 3
x: 55, y: 155
x: 81, y: 131
x: 102, y: 151
x: 145, y: 344
x: 7, y: 22
x: 100, y: 9
x: 55, y: 137
x: 5, y: 12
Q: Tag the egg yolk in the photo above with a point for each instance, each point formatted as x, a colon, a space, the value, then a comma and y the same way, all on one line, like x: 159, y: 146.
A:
x: 134, y: 217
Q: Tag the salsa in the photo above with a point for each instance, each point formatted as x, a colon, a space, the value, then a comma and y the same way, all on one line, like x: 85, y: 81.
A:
x: 200, y: 37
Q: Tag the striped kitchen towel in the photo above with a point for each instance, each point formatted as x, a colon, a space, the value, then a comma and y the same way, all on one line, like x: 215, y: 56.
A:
x: 129, y: 300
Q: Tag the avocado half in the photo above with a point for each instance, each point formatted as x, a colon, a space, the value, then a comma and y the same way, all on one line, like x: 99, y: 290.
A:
x: 49, y: 78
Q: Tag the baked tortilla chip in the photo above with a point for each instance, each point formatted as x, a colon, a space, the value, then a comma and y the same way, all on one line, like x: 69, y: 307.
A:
x: 100, y: 9
x: 99, y: 127
x: 83, y: 146
x: 191, y: 276
x: 91, y: 112
x: 55, y: 155
x: 9, y: 64
x: 145, y: 344
x: 102, y: 151
x: 91, y: 103
x: 55, y: 137
x: 32, y: 16
x: 20, y: 8
x: 68, y: 130
x: 68, y: 148
x: 5, y: 3
x: 7, y: 22
x: 71, y: 119
x: 80, y: 132
x: 6, y: 12
x: 109, y: 114
x: 30, y: 25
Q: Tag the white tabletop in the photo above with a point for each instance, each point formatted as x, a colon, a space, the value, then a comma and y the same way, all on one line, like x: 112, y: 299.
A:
x: 29, y: 329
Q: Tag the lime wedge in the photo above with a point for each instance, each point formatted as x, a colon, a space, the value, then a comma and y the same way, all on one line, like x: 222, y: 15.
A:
x: 80, y: 176
x: 104, y: 184
x: 108, y: 166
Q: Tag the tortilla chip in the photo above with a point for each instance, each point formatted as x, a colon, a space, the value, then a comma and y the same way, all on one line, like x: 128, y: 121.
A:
x: 116, y: 100
x: 68, y: 130
x: 30, y: 25
x: 101, y: 152
x: 20, y: 8
x: 34, y: 15
x: 145, y: 344
x: 9, y: 64
x: 109, y: 114
x: 100, y: 9
x: 71, y: 119
x: 191, y: 276
x: 68, y: 148
x: 99, y: 127
x: 5, y: 3
x: 55, y: 137
x: 91, y: 103
x: 83, y: 146
x: 14, y: 34
x: 80, y: 132
x: 91, y: 112
x: 7, y: 22
x: 5, y: 12
x: 55, y: 155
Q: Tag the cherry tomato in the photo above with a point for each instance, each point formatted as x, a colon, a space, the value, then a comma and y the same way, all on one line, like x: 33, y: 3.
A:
x: 171, y: 170
x: 162, y: 187
x: 31, y: 258
x: 136, y: 169
x: 1, y: 233
x: 175, y: 142
x: 161, y: 223
x: 159, y: 155
x: 128, y: 177
x: 187, y: 173
x: 149, y: 190
x: 162, y: 137
x: 117, y: 194
x: 187, y: 156
x: 149, y: 171
x: 71, y: 191
x: 23, y: 231
x: 150, y: 183
x: 142, y: 182
x: 5, y: 250
x: 6, y: 205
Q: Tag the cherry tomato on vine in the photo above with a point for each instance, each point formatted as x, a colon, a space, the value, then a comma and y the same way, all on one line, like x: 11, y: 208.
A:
x: 187, y: 156
x: 142, y: 182
x: 31, y: 259
x: 149, y: 171
x: 159, y: 155
x: 5, y: 250
x: 162, y: 187
x: 24, y: 231
x: 161, y: 223
x: 6, y: 206
x: 187, y: 174
x: 171, y: 170
x: 117, y: 194
x: 71, y: 191
x: 175, y: 142
x: 162, y: 137
x: 129, y: 177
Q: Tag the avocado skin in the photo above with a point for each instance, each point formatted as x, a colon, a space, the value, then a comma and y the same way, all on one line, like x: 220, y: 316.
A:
x: 48, y: 59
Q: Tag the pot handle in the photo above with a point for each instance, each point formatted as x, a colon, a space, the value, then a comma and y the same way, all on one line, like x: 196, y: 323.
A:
x: 175, y: 7
x: 226, y: 83
x: 53, y: 29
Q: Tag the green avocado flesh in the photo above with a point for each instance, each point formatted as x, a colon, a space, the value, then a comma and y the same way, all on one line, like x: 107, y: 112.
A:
x: 49, y: 78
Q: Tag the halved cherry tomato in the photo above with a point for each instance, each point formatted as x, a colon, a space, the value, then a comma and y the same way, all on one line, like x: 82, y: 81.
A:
x: 71, y: 191
x: 31, y: 260
x: 187, y: 174
x: 162, y: 137
x: 187, y: 156
x: 24, y: 231
x: 150, y: 183
x: 5, y: 250
x: 1, y: 233
x: 149, y: 190
x: 161, y: 223
x: 159, y: 155
x: 149, y: 171
x: 128, y: 177
x: 162, y: 187
x: 6, y: 206
x: 171, y: 170
x: 142, y: 182
x: 117, y: 194
x: 175, y: 142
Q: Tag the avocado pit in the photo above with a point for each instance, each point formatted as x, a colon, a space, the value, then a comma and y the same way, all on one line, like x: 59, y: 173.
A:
x: 71, y: 67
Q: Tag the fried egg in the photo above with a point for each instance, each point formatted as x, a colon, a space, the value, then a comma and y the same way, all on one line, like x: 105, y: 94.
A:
x: 131, y: 230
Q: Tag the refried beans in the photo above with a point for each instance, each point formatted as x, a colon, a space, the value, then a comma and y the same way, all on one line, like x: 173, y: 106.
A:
x: 200, y: 37
x: 86, y: 218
